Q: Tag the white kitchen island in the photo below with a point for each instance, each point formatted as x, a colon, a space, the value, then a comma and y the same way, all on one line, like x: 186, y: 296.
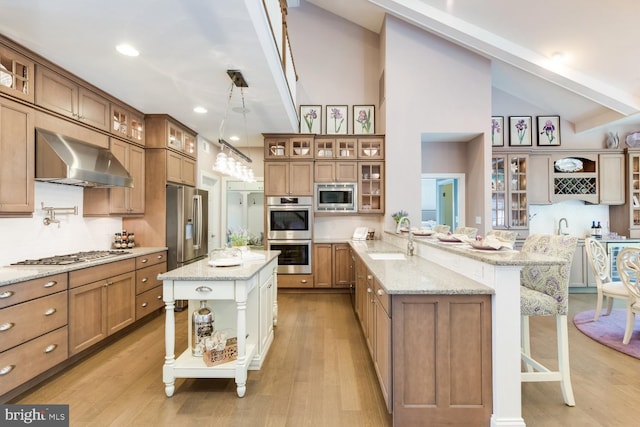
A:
x: 244, y: 301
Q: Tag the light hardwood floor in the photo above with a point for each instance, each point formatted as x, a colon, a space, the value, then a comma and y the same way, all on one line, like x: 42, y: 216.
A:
x: 318, y: 373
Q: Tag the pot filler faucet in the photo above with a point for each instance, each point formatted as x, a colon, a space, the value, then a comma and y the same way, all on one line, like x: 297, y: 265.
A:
x: 410, y: 246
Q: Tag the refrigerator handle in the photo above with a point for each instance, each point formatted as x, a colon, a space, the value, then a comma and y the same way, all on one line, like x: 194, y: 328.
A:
x: 197, y: 214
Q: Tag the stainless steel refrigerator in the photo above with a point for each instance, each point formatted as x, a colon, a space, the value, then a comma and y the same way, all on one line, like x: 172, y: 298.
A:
x: 187, y: 230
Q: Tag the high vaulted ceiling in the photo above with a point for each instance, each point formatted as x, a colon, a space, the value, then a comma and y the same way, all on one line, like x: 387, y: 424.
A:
x: 187, y: 46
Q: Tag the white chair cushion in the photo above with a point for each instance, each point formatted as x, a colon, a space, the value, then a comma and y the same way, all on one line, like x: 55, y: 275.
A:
x: 615, y: 288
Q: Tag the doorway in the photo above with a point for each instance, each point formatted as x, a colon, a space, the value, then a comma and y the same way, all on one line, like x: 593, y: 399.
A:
x: 443, y: 199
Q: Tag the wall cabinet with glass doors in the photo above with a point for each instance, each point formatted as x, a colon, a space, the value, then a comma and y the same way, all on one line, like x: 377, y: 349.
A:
x: 509, y: 206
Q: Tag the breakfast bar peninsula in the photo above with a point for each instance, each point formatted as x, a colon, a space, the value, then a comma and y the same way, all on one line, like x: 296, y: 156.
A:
x: 243, y: 298
x: 443, y: 329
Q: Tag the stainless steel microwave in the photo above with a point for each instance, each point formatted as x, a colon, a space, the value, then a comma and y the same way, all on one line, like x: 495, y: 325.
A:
x: 336, y: 197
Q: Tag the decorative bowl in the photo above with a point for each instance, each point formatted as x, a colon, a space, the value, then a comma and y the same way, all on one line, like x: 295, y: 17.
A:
x: 568, y: 165
x: 301, y: 151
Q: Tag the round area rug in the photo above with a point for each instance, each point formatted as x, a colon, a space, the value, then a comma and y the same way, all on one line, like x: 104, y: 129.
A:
x: 609, y: 330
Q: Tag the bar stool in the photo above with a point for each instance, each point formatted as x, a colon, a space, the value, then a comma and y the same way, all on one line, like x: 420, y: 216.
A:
x: 544, y: 291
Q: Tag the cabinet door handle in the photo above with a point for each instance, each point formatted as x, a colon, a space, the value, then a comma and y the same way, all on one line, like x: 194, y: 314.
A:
x: 144, y: 280
x: 203, y: 289
x: 369, y: 290
x: 144, y: 260
x: 159, y: 297
x: 6, y: 294
x: 369, y: 277
x: 303, y: 281
x: 380, y: 292
x: 160, y: 256
x: 50, y: 284
x: 144, y: 304
x: 6, y: 326
x: 5, y: 370
x: 50, y: 348
x: 50, y: 312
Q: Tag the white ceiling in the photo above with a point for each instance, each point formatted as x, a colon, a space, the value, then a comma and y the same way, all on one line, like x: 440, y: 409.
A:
x: 187, y: 46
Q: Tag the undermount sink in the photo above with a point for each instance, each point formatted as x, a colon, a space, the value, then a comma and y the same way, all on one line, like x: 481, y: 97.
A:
x: 387, y: 255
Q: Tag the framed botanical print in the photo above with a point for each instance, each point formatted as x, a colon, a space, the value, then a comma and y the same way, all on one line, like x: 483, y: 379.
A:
x: 311, y: 119
x: 520, y: 131
x: 497, y: 131
x: 548, y: 130
x: 336, y: 119
x: 364, y: 119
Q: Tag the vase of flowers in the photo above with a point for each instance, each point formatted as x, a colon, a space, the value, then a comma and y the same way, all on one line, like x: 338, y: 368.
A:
x: 397, y: 216
x: 237, y: 238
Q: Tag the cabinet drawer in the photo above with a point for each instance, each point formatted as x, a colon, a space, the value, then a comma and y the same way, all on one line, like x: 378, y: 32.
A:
x: 220, y: 290
x: 147, y: 278
x: 148, y: 301
x: 382, y: 296
x: 100, y: 272
x: 295, y: 281
x: 150, y: 259
x: 28, y: 320
x: 30, y: 359
x: 31, y: 289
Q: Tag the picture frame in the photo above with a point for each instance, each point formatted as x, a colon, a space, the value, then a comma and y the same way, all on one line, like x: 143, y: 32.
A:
x: 497, y: 131
x: 520, y: 131
x: 548, y: 131
x: 336, y: 119
x: 364, y: 119
x: 311, y: 119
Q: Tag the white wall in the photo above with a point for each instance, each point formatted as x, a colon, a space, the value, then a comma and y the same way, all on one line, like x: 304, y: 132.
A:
x: 433, y: 86
x: 29, y: 238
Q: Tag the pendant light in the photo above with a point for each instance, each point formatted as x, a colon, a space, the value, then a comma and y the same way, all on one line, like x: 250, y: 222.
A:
x: 225, y: 162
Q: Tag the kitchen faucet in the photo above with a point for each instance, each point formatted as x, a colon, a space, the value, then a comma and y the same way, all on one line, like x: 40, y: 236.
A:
x: 410, y: 246
x: 566, y: 224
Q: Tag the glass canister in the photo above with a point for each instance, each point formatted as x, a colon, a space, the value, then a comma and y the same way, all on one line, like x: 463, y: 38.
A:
x: 203, y: 323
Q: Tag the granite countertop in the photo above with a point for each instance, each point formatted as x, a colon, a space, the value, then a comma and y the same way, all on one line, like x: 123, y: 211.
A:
x: 18, y: 273
x: 417, y: 275
x: 414, y: 275
x: 201, y: 270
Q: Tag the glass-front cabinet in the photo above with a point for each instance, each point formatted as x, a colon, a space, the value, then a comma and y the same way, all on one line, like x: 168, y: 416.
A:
x: 371, y: 187
x: 16, y: 74
x: 509, y: 207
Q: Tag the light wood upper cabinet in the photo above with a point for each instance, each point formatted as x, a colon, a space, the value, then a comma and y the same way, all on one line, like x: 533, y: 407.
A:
x: 120, y: 200
x: 290, y: 147
x: 180, y: 169
x: 16, y: 158
x: 371, y: 187
x: 65, y: 96
x: 127, y: 123
x: 165, y: 132
x: 16, y: 75
x: 288, y: 178
x: 539, y: 189
x: 611, y: 179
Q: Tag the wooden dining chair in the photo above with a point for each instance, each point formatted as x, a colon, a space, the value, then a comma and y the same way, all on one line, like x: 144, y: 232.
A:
x: 628, y: 266
x: 607, y: 289
x: 544, y: 291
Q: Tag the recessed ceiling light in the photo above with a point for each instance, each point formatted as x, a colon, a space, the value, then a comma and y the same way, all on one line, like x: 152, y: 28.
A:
x: 558, y: 56
x: 234, y: 138
x: 127, y: 50
x: 199, y: 110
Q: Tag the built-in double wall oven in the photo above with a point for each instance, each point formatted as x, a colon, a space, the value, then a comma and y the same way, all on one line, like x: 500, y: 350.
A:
x: 289, y: 230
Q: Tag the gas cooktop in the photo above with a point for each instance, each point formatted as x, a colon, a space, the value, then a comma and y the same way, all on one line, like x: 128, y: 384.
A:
x: 72, y: 258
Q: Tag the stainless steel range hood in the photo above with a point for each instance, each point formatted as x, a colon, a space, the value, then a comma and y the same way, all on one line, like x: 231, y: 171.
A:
x: 65, y: 160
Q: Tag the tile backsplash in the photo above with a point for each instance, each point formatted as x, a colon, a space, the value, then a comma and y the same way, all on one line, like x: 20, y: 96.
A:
x: 30, y: 238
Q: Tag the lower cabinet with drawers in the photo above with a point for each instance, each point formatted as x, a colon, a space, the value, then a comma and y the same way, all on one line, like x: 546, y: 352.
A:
x: 33, y: 329
x: 148, y: 287
x: 46, y: 321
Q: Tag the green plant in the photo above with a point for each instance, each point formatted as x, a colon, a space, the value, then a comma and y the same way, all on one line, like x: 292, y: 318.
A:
x: 397, y: 216
x: 237, y: 237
